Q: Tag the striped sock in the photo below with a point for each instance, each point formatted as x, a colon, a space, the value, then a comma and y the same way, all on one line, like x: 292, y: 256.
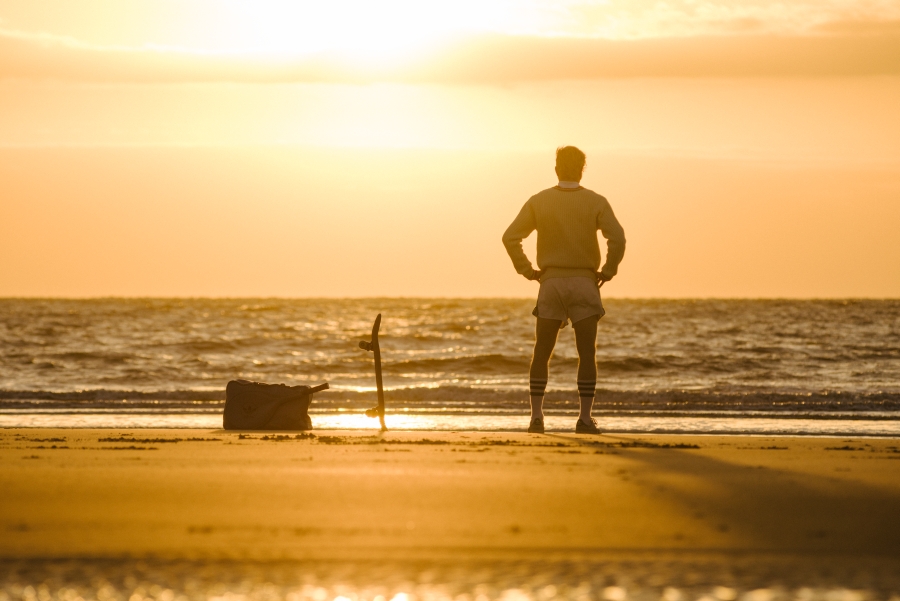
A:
x: 538, y: 386
x: 586, y: 388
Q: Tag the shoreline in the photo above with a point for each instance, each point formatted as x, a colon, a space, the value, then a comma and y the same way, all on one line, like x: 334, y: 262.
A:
x: 557, y: 423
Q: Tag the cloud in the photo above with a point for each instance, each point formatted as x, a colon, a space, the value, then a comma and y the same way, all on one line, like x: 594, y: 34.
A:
x: 885, y: 27
x: 843, y: 49
x: 512, y: 59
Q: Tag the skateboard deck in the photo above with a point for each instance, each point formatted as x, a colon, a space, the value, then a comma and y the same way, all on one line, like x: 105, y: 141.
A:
x: 372, y: 346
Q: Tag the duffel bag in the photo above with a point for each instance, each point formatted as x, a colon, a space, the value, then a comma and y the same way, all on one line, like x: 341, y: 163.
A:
x: 258, y: 406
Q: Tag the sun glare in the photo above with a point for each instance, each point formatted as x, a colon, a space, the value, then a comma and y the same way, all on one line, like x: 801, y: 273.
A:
x: 355, y: 28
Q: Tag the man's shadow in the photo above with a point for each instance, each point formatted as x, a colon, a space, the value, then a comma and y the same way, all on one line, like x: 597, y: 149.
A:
x: 777, y: 510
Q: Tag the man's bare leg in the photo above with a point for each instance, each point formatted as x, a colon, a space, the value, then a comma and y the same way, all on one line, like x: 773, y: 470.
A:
x: 586, y: 342
x: 545, y: 334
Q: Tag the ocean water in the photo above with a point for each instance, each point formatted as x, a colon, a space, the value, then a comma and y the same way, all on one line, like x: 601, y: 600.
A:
x: 707, y: 366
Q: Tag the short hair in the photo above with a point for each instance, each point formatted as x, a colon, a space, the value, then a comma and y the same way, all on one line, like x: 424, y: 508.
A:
x: 569, y: 163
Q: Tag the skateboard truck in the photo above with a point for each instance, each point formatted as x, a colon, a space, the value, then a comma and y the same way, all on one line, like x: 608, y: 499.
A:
x: 377, y: 411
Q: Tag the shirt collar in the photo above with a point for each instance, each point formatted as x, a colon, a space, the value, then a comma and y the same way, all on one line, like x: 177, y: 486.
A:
x: 569, y: 185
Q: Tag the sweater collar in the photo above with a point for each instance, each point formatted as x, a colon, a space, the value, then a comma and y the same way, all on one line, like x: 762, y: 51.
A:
x: 563, y: 185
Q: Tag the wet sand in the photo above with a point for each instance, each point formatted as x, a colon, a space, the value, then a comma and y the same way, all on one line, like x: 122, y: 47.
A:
x: 774, y: 505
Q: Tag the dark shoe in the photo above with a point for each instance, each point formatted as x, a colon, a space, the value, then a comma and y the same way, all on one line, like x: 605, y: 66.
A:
x: 536, y: 426
x: 582, y: 427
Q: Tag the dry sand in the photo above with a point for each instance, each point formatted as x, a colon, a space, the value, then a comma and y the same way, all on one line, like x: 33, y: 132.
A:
x: 796, y: 503
x: 196, y: 494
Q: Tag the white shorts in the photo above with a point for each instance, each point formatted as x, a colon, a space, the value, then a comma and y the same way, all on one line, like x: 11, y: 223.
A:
x: 568, y: 299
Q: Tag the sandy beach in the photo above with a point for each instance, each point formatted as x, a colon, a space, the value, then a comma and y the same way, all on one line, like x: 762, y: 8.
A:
x: 162, y: 515
x: 341, y: 495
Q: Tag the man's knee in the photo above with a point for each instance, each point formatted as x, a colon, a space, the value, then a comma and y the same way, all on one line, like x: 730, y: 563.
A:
x: 587, y: 355
x: 542, y: 354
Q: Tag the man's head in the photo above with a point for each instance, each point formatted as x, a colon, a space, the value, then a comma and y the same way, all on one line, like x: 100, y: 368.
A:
x: 569, y: 164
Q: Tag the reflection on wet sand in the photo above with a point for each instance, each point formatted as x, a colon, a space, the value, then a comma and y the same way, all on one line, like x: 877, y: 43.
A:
x: 739, y: 579
x: 847, y: 424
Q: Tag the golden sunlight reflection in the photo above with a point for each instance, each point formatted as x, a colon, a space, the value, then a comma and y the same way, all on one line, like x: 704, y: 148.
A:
x: 324, y: 423
x: 489, y: 583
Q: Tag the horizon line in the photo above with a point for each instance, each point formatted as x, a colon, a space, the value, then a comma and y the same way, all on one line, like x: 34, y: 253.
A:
x: 415, y: 297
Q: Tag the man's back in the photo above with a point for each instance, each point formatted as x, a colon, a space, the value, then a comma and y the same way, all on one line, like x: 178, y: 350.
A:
x: 566, y: 221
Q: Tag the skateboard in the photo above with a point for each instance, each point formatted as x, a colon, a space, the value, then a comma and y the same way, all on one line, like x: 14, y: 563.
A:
x: 377, y: 411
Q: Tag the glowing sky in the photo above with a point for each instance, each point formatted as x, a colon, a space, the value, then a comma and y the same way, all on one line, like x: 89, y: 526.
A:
x: 751, y: 148
x: 287, y: 26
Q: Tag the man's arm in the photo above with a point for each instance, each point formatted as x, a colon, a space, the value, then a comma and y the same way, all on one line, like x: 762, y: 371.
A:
x: 519, y: 229
x: 615, y: 242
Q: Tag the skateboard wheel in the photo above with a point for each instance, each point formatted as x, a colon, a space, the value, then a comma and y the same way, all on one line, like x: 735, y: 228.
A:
x: 366, y: 346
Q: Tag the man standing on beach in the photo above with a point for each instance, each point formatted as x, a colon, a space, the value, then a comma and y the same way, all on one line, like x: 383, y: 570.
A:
x: 566, y: 218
